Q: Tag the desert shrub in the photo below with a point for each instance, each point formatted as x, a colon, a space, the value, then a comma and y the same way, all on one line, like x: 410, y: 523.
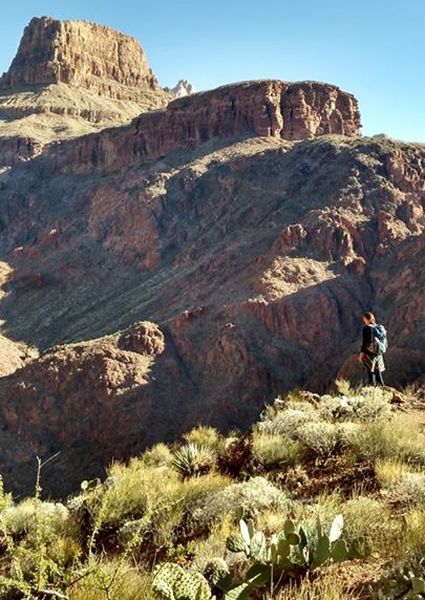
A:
x: 366, y: 406
x: 237, y: 456
x: 347, y: 433
x: 29, y: 532
x: 171, y: 506
x: 251, y: 497
x: 205, y: 436
x: 286, y: 421
x: 320, y: 437
x: 273, y: 450
x: 111, y: 579
x: 125, y: 496
x: 398, y: 438
x: 333, y: 408
x: 159, y: 455
x: 131, y: 492
x: 409, y: 489
x: 191, y: 460
x: 23, y: 518
x: 371, y: 405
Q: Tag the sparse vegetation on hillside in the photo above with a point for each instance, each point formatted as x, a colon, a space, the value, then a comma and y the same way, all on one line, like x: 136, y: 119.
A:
x: 323, y: 499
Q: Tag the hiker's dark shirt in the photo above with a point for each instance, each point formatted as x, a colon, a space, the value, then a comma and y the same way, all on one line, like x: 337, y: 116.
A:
x: 367, y: 338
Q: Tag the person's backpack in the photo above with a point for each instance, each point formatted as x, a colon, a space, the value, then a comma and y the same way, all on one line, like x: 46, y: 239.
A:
x: 379, y: 343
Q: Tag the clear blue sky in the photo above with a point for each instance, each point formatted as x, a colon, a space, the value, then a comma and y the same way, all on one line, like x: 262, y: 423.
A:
x: 372, y: 48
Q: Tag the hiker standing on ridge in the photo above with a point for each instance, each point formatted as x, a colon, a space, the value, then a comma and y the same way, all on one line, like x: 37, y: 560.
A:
x: 374, y: 345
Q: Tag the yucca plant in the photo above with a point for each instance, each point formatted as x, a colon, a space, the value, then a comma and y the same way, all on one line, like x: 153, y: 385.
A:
x: 191, y: 460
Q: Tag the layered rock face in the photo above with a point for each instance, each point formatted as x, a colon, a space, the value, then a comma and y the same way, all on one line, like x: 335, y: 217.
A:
x: 70, y: 78
x: 263, y: 108
x: 81, y: 54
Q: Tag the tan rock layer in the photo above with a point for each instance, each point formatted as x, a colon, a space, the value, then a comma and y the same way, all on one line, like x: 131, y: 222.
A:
x: 83, y: 55
x: 291, y: 111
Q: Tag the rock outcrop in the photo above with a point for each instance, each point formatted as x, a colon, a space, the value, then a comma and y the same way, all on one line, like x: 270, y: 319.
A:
x: 182, y: 88
x: 83, y: 55
x: 290, y: 111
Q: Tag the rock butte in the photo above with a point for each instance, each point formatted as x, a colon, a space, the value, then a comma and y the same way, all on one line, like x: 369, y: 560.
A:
x: 81, y: 54
x: 185, y: 267
x: 74, y: 77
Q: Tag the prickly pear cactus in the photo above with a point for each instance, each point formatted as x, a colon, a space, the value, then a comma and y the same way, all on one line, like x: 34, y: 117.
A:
x: 172, y: 582
x: 235, y: 543
x: 216, y: 570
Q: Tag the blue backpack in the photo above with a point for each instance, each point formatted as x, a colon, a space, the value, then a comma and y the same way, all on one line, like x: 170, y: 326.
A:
x: 379, y: 343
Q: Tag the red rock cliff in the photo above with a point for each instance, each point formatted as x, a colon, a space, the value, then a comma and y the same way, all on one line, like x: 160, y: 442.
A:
x: 291, y: 111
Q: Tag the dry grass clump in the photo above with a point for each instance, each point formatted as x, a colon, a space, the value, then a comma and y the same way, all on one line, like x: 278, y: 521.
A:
x: 205, y: 436
x: 277, y: 450
x: 400, y: 438
x: 159, y: 455
x: 328, y: 586
x: 413, y: 535
x: 371, y: 518
x: 112, y: 579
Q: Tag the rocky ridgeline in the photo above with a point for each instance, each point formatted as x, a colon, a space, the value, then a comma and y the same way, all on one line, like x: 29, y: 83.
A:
x: 92, y: 73
x: 291, y: 111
